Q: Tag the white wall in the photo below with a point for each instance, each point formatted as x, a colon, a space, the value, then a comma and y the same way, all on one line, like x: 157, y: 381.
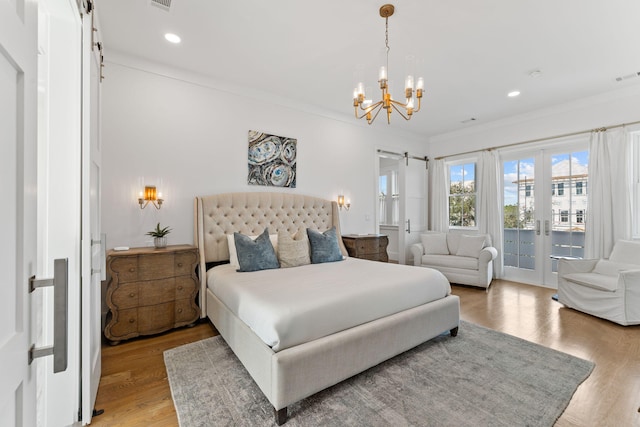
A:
x: 177, y: 131
x: 612, y: 108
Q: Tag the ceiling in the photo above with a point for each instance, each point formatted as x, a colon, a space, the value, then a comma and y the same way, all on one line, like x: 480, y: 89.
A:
x: 471, y: 53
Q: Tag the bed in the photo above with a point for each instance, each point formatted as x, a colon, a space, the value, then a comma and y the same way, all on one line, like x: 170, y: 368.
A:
x: 290, y: 365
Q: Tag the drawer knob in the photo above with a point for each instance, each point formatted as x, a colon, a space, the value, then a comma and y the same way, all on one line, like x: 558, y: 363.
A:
x: 132, y: 269
x: 132, y: 295
x: 179, y: 264
x: 132, y: 320
x: 180, y: 287
x: 179, y: 310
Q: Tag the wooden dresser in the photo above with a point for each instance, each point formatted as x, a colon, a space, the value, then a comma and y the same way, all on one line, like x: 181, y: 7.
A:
x: 151, y: 291
x: 371, y: 246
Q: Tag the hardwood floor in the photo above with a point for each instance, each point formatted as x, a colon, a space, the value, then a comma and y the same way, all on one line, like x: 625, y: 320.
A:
x: 134, y: 390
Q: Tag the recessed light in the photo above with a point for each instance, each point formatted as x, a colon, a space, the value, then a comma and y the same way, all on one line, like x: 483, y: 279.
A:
x: 173, y: 38
x: 513, y: 94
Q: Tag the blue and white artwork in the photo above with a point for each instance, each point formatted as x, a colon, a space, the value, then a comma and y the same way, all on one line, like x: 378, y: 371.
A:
x: 272, y: 160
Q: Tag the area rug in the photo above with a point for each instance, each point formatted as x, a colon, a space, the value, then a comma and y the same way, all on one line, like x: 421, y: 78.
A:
x: 479, y: 378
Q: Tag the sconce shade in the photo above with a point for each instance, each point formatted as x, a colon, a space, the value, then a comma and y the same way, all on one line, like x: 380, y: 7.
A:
x: 150, y: 195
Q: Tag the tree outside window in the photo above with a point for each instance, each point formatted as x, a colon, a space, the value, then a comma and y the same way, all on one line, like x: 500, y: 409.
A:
x: 462, y: 195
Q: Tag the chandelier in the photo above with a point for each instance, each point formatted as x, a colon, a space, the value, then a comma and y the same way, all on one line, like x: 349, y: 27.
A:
x: 369, y: 109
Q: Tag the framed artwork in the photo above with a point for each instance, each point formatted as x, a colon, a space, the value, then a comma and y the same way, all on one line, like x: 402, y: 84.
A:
x: 272, y: 160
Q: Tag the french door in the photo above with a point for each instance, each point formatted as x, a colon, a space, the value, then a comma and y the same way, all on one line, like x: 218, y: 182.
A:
x: 545, y: 209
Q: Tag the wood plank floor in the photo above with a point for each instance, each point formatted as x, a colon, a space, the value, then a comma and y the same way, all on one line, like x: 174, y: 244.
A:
x: 134, y: 390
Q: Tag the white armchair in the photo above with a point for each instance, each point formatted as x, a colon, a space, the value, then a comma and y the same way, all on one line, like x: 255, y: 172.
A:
x: 609, y: 289
x: 463, y: 259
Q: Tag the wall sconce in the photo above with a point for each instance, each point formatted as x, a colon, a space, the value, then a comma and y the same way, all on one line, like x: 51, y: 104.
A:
x: 150, y: 196
x: 342, y: 204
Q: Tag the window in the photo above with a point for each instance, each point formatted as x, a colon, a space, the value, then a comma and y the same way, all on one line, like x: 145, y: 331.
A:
x: 578, y: 187
x: 553, y: 189
x: 580, y: 216
x: 561, y: 189
x: 564, y: 216
x: 388, y: 199
x: 462, y: 195
x: 527, y: 190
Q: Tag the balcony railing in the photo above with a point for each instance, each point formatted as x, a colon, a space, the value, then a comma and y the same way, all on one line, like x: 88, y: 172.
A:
x: 519, y: 246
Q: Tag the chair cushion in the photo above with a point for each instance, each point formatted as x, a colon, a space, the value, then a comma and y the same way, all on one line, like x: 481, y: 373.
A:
x: 451, y: 261
x: 626, y: 251
x: 470, y: 246
x: 435, y: 243
x: 601, y: 282
x: 611, y: 268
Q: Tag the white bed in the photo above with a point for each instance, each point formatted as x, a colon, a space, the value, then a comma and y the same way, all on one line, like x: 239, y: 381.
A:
x: 316, y: 338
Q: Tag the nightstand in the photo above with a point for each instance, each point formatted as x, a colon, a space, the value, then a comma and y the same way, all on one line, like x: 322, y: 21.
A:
x: 151, y: 291
x: 371, y: 246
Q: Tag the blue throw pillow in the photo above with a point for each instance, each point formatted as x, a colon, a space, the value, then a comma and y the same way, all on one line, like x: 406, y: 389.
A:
x: 324, y: 246
x: 255, y: 255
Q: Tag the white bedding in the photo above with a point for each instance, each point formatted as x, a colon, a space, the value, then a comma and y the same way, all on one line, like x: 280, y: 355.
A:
x: 289, y: 306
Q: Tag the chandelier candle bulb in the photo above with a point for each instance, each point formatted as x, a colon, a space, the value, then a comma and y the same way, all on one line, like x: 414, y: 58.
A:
x: 420, y: 85
x: 409, y: 83
x: 383, y: 74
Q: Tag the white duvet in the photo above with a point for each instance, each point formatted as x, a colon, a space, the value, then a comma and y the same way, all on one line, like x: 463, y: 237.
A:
x: 289, y: 306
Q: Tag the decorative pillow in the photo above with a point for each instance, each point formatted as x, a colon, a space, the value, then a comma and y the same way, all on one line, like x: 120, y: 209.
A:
x: 293, y: 251
x: 324, y: 246
x: 255, y: 255
x: 435, y: 244
x: 233, y: 255
x: 470, y: 245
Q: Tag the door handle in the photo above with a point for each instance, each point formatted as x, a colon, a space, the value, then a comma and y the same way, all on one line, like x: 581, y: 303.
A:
x: 546, y: 228
x: 60, y: 283
x: 103, y: 257
x: 538, y: 227
x: 408, y: 230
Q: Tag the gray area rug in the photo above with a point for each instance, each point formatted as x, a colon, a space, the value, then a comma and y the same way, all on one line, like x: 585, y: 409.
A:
x: 479, y: 378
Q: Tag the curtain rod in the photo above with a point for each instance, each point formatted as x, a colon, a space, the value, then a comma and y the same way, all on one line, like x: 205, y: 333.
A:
x: 405, y: 155
x: 513, y: 144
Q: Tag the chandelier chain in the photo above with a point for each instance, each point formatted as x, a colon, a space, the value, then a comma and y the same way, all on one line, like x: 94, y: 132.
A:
x: 386, y: 39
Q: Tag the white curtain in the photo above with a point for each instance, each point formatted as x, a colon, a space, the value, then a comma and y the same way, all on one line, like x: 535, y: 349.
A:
x: 439, y: 193
x: 608, y: 196
x: 489, y: 205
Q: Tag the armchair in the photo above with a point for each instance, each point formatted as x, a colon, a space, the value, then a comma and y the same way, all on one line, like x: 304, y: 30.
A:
x: 609, y: 289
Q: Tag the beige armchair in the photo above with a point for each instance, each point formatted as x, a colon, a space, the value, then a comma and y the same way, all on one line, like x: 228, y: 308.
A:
x: 606, y: 288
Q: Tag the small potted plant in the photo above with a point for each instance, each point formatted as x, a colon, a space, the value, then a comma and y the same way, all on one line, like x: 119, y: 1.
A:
x: 159, y: 236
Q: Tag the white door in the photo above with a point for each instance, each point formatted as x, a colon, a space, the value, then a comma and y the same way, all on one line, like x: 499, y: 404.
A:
x: 93, y: 243
x: 18, y: 117
x: 545, y: 194
x: 59, y: 194
x: 412, y: 182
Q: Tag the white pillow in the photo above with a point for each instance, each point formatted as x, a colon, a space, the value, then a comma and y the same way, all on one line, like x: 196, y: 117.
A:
x: 233, y: 254
x: 470, y: 245
x: 435, y: 244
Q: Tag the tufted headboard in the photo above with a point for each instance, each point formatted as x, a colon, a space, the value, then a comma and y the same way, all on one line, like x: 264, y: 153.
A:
x: 249, y: 213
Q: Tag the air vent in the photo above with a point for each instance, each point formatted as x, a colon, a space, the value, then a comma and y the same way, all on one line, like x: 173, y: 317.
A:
x: 162, y: 4
x: 628, y: 76
x: 472, y: 119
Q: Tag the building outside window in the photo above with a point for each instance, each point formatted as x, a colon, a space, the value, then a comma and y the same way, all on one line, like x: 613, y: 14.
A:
x: 578, y: 188
x: 564, y: 216
x: 462, y: 195
x: 580, y: 216
x: 561, y: 189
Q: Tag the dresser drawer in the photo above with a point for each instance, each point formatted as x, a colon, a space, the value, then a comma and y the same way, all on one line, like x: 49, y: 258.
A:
x: 184, y: 262
x: 156, y: 318
x: 156, y: 266
x: 368, y: 246
x: 185, y: 312
x: 157, y: 291
x: 127, y: 323
x: 126, y: 268
x: 185, y: 286
x: 125, y: 296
